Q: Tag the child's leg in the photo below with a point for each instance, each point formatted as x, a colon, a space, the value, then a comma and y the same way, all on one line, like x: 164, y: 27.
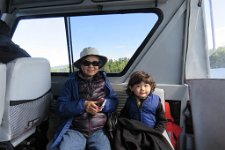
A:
x: 98, y: 141
x: 73, y: 140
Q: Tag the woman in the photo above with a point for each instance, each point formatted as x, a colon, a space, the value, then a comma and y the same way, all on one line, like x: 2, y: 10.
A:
x: 84, y: 104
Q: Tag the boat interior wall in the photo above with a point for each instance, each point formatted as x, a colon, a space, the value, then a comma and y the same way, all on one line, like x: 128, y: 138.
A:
x: 8, y: 18
x: 2, y: 6
x: 169, y: 68
x: 2, y: 87
x: 32, y: 3
x: 175, y: 91
x: 208, y: 112
x: 28, y: 7
x: 197, y: 63
x: 58, y: 83
x: 73, y: 5
x: 27, y: 98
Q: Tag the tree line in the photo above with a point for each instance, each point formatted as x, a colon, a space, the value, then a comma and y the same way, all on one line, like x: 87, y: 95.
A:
x: 217, y: 59
x: 112, y: 66
x: 115, y: 66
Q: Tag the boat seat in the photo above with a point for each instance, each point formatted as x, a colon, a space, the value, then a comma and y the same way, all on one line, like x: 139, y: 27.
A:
x: 27, y: 98
x: 160, y: 93
x: 2, y: 89
x: 120, y: 89
x: 208, y: 113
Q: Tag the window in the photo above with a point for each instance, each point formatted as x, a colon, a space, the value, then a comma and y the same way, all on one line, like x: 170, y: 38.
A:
x: 215, y: 24
x: 116, y: 36
x: 44, y: 38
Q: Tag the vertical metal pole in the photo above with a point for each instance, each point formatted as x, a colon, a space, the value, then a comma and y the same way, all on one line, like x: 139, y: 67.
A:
x: 212, y: 24
x: 69, y: 43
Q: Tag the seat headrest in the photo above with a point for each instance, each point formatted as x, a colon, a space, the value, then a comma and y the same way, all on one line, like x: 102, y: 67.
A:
x: 27, y: 78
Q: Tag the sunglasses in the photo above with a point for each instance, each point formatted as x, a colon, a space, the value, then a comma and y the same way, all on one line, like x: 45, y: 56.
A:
x: 88, y: 63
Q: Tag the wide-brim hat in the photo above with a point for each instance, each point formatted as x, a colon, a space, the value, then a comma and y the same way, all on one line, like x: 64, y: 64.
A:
x: 90, y: 51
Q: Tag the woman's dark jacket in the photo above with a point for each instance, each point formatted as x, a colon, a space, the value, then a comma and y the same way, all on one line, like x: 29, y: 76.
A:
x: 70, y: 105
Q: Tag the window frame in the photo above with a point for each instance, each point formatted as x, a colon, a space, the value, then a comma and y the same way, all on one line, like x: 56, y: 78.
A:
x: 157, y: 11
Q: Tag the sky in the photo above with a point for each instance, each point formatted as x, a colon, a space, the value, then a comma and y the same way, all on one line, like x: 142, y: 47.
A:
x: 218, y: 6
x: 100, y: 38
x: 115, y: 36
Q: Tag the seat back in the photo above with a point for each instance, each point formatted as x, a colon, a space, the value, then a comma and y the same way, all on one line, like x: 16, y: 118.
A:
x: 160, y: 93
x: 208, y: 111
x: 27, y: 99
x: 2, y: 89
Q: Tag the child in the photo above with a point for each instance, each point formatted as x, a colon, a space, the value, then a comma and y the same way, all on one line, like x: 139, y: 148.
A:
x: 142, y: 119
x: 142, y: 104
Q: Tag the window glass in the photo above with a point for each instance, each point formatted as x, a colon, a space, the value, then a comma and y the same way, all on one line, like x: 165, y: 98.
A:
x: 116, y: 36
x: 215, y: 24
x: 44, y: 38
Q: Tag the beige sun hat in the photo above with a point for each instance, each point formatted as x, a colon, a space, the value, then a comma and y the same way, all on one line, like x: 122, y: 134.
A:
x: 90, y: 51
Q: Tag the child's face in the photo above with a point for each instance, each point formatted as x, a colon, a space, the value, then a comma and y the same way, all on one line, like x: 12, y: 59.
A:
x: 141, y: 90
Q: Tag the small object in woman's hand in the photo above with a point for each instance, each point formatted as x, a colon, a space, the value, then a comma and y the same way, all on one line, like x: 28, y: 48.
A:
x: 101, y: 102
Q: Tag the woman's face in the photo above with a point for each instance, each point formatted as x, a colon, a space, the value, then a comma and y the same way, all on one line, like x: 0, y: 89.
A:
x: 90, y: 66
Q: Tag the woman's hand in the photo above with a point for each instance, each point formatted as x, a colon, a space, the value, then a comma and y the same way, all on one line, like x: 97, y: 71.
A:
x: 93, y: 107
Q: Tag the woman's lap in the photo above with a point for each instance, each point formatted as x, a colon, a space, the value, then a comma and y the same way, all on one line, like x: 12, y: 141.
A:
x: 76, y: 140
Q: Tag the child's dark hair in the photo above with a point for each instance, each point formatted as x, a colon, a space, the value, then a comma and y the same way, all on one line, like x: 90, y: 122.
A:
x: 137, y: 77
